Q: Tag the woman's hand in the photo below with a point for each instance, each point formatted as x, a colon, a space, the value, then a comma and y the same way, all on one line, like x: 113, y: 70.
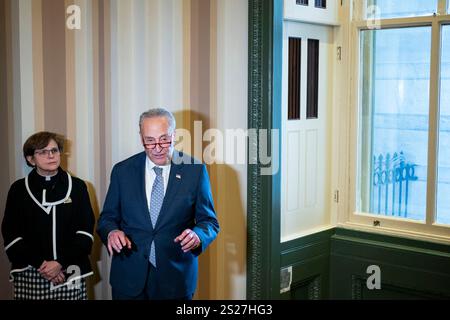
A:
x: 50, y: 269
x: 60, y: 278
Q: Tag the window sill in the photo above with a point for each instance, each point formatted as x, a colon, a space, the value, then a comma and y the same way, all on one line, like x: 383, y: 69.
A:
x: 399, y: 232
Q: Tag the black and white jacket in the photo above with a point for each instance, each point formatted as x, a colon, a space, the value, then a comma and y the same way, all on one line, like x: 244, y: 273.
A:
x: 48, y: 219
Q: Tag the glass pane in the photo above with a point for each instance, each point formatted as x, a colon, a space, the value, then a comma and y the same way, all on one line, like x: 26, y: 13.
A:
x: 294, y: 78
x: 400, y: 8
x: 393, y: 140
x: 302, y: 2
x: 443, y: 191
x: 312, y: 99
x: 321, y: 4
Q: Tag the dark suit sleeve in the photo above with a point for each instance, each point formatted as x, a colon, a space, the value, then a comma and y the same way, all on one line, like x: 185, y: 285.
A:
x: 206, y: 226
x: 81, y: 244
x: 110, y: 217
x: 12, y: 229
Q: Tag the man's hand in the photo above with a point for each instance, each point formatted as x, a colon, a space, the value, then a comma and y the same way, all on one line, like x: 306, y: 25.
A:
x: 189, y: 240
x: 117, y: 240
x: 49, y: 269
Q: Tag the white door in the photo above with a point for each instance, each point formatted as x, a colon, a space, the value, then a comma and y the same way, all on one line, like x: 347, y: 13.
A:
x: 306, y: 136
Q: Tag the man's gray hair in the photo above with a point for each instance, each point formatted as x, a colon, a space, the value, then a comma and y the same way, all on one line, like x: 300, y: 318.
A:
x: 159, y: 112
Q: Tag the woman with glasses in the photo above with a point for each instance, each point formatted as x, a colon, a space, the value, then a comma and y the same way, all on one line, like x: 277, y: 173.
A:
x: 48, y: 226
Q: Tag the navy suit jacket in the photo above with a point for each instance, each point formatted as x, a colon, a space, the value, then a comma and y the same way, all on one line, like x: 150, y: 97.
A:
x: 187, y: 203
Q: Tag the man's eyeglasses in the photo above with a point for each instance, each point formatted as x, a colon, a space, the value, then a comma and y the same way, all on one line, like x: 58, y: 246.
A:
x: 47, y: 152
x: 162, y: 144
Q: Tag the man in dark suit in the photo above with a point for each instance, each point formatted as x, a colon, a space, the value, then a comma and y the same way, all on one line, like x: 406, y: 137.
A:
x: 158, y: 216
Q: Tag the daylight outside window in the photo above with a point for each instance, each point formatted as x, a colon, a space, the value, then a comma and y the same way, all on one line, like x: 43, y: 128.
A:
x: 443, y: 190
x: 401, y: 8
x: 395, y: 74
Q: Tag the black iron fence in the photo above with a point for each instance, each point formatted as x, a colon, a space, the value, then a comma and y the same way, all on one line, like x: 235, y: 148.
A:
x: 391, y: 179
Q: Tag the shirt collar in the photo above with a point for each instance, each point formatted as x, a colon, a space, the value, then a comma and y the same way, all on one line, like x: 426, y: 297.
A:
x: 151, y: 165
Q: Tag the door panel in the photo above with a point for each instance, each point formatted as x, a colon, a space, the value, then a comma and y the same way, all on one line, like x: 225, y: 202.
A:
x: 306, y: 141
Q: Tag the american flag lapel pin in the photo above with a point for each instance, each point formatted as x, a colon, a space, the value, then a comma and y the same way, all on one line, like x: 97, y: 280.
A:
x: 178, y: 176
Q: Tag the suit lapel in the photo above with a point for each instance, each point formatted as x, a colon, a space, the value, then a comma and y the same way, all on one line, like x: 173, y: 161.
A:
x: 143, y: 195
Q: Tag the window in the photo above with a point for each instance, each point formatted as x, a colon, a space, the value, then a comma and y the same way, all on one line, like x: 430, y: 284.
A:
x: 398, y: 8
x: 312, y: 99
x: 295, y: 63
x: 402, y: 174
x: 394, y: 121
x: 302, y: 2
x: 320, y: 4
x: 443, y: 203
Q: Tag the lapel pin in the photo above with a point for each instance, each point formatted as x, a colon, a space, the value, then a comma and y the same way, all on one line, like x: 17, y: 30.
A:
x: 178, y: 176
x: 69, y: 200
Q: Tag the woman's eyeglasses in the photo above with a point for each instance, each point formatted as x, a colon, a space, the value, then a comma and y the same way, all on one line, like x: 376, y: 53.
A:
x: 47, y: 152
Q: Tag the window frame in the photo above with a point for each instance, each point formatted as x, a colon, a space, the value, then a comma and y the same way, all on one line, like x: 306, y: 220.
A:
x: 348, y: 217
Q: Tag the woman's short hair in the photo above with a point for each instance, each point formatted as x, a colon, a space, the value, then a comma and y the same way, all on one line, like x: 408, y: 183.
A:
x: 40, y: 140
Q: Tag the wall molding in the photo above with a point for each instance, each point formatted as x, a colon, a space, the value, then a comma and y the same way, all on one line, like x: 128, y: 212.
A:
x: 264, y: 103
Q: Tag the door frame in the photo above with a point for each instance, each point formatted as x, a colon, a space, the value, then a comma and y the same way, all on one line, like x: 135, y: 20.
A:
x: 265, y: 34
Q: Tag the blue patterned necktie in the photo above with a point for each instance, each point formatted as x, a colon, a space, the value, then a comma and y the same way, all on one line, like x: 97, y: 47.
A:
x: 156, y: 201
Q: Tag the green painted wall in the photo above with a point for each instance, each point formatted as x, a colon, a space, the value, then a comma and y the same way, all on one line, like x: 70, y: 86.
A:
x: 409, y: 269
x: 310, y: 260
x: 333, y: 265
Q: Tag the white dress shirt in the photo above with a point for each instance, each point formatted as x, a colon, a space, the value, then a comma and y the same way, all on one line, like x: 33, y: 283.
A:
x: 150, y: 176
